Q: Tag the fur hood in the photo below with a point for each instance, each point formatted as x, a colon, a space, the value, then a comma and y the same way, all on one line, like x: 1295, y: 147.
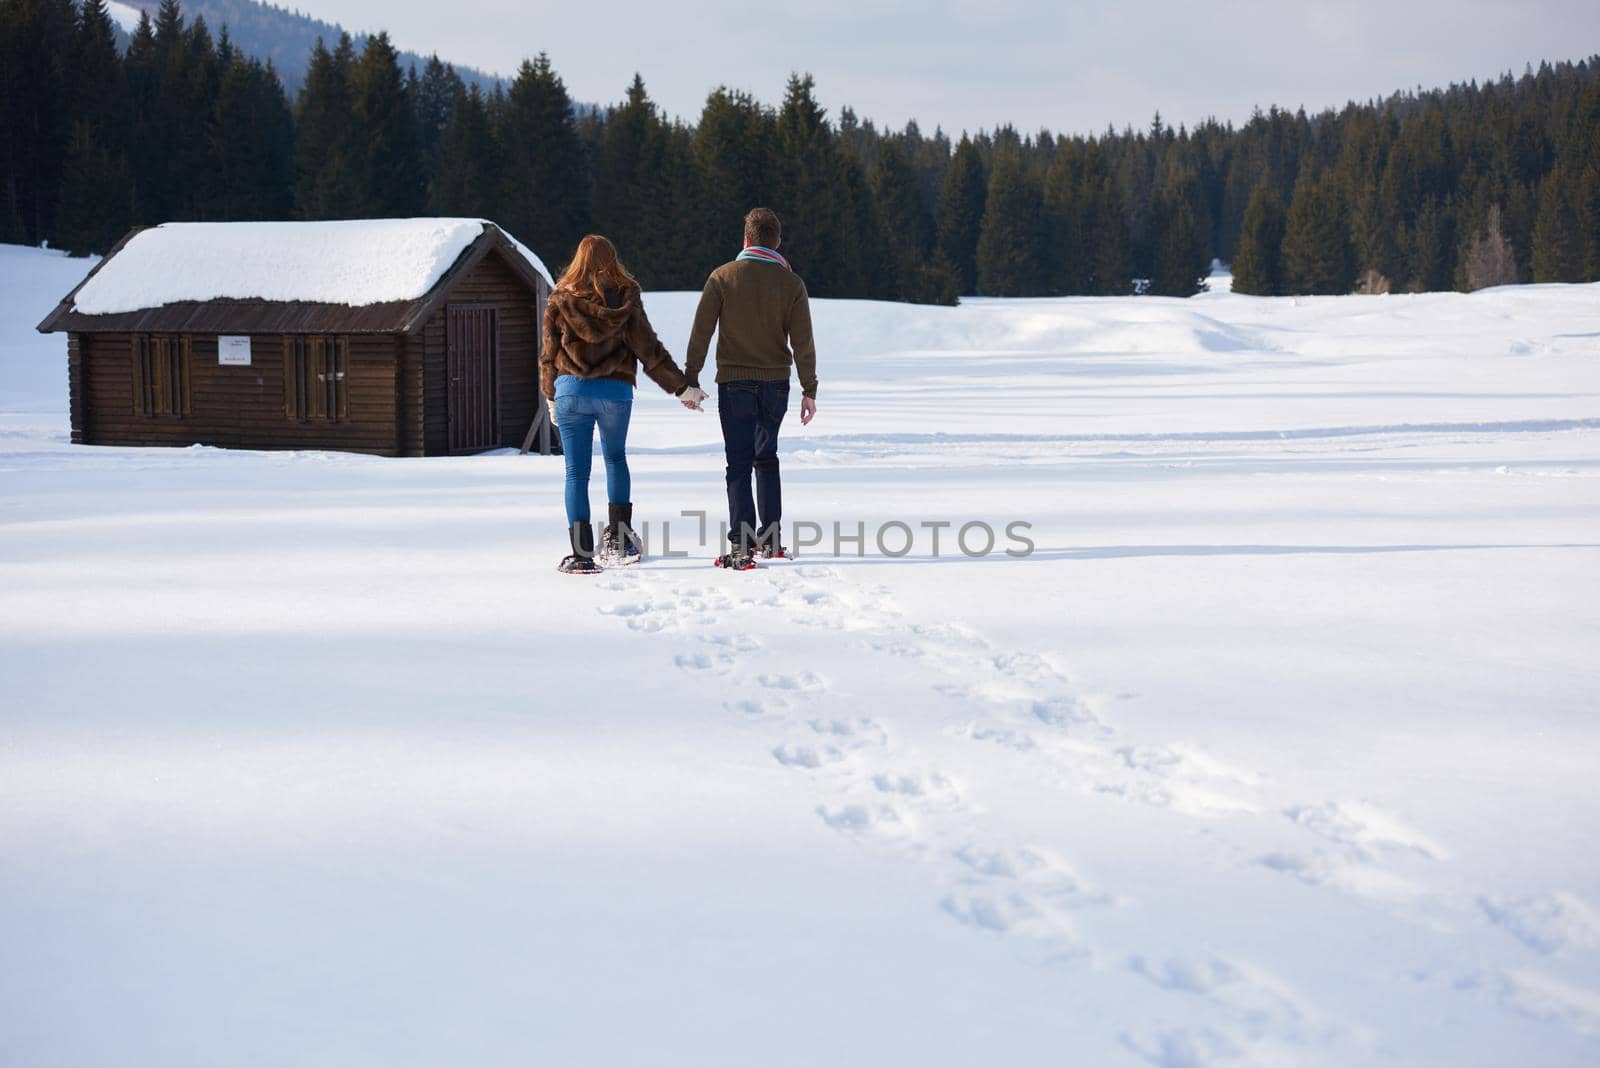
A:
x: 584, y: 337
x: 591, y: 320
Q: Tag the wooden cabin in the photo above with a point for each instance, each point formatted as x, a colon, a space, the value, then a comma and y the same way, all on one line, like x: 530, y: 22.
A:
x: 400, y: 337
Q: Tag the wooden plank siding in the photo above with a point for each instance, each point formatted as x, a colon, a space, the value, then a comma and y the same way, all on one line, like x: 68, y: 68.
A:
x: 409, y: 405
x: 490, y: 282
x: 239, y: 407
x: 77, y: 390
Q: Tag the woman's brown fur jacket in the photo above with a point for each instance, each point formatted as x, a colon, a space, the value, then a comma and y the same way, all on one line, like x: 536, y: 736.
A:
x: 584, y: 337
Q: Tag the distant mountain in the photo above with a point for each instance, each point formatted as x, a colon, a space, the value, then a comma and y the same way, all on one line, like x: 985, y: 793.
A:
x: 283, y: 36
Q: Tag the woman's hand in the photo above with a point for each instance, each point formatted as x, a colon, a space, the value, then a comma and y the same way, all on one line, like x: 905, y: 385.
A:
x: 692, y: 398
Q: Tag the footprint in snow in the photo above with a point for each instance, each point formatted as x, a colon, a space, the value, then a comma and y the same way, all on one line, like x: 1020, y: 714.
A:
x: 931, y: 788
x: 806, y: 756
x: 1550, y: 923
x: 860, y: 819
x: 738, y: 643
x: 1006, y: 737
x: 1257, y: 1016
x: 1035, y: 870
x: 803, y: 682
x: 853, y: 732
x: 1364, y: 829
x: 715, y: 662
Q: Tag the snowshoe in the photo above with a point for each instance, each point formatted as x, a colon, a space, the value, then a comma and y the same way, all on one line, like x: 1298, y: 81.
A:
x: 574, y: 564
x: 736, y: 561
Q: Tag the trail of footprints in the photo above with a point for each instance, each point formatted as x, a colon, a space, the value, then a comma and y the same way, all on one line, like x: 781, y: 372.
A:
x: 875, y: 789
x: 869, y: 785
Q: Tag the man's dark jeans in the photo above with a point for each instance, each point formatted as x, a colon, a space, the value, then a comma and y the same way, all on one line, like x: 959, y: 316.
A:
x: 751, y: 413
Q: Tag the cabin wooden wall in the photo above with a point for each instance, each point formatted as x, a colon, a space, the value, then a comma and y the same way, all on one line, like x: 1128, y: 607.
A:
x: 77, y: 390
x: 235, y: 407
x: 521, y: 316
x: 410, y: 399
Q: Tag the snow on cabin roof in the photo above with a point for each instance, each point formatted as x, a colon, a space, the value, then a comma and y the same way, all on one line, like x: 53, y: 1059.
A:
x: 355, y: 263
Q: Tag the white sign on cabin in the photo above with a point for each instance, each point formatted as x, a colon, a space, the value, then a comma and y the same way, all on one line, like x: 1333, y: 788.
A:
x: 233, y: 351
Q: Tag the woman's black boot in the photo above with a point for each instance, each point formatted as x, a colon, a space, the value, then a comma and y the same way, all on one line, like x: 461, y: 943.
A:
x: 581, y: 561
x: 619, y: 544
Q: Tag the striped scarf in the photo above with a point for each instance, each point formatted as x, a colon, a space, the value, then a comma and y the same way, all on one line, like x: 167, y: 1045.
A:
x: 762, y: 254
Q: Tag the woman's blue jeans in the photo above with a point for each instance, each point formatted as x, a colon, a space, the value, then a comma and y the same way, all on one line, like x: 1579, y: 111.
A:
x: 577, y: 419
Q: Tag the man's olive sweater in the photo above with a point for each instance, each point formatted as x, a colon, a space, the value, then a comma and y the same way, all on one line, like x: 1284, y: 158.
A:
x: 759, y: 312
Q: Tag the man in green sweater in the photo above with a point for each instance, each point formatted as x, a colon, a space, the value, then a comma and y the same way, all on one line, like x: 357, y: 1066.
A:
x: 758, y: 308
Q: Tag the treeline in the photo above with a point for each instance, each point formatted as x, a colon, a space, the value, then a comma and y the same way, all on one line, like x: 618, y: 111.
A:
x: 1458, y: 188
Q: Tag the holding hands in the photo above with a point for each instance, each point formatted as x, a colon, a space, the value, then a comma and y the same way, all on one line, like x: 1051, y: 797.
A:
x: 692, y: 398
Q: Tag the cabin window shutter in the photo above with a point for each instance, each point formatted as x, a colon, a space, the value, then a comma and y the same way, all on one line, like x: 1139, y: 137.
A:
x: 158, y: 376
x: 316, y: 384
x: 327, y: 378
x: 288, y: 377
x: 143, y: 399
x: 182, y: 348
x: 341, y: 381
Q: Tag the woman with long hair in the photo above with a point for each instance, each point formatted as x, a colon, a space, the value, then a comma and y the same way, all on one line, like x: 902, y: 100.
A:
x: 596, y: 336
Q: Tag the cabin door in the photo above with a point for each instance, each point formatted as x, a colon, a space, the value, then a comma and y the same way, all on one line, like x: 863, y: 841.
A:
x: 472, y: 364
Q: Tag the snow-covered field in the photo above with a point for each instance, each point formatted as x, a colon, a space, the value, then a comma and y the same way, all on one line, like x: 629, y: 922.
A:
x: 1281, y: 748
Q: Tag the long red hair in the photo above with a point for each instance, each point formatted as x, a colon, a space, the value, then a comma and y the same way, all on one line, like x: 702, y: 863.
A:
x: 594, y: 265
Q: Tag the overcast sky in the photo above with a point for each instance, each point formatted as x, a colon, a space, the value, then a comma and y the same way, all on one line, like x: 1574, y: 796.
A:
x: 965, y: 64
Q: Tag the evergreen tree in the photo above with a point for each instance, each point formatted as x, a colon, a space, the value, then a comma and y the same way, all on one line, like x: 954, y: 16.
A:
x: 631, y: 199
x: 1364, y: 154
x: 327, y: 167
x: 139, y: 69
x: 696, y: 245
x: 1315, y: 249
x: 546, y: 181
x: 1106, y: 238
x: 733, y: 154
x: 962, y: 202
x: 1011, y: 245
x: 386, y: 159
x: 95, y: 202
x: 810, y: 197
x: 436, y: 96
x: 467, y: 180
x: 1178, y: 268
x: 1258, y: 263
x: 921, y: 275
x: 176, y: 178
x: 38, y: 65
x: 870, y: 264
x: 1067, y: 253
x: 252, y: 144
x: 1430, y: 244
x: 1558, y: 243
x: 1583, y: 141
x: 102, y: 87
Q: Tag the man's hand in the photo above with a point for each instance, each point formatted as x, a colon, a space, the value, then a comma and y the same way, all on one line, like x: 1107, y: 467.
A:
x: 692, y: 398
x: 808, y: 410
